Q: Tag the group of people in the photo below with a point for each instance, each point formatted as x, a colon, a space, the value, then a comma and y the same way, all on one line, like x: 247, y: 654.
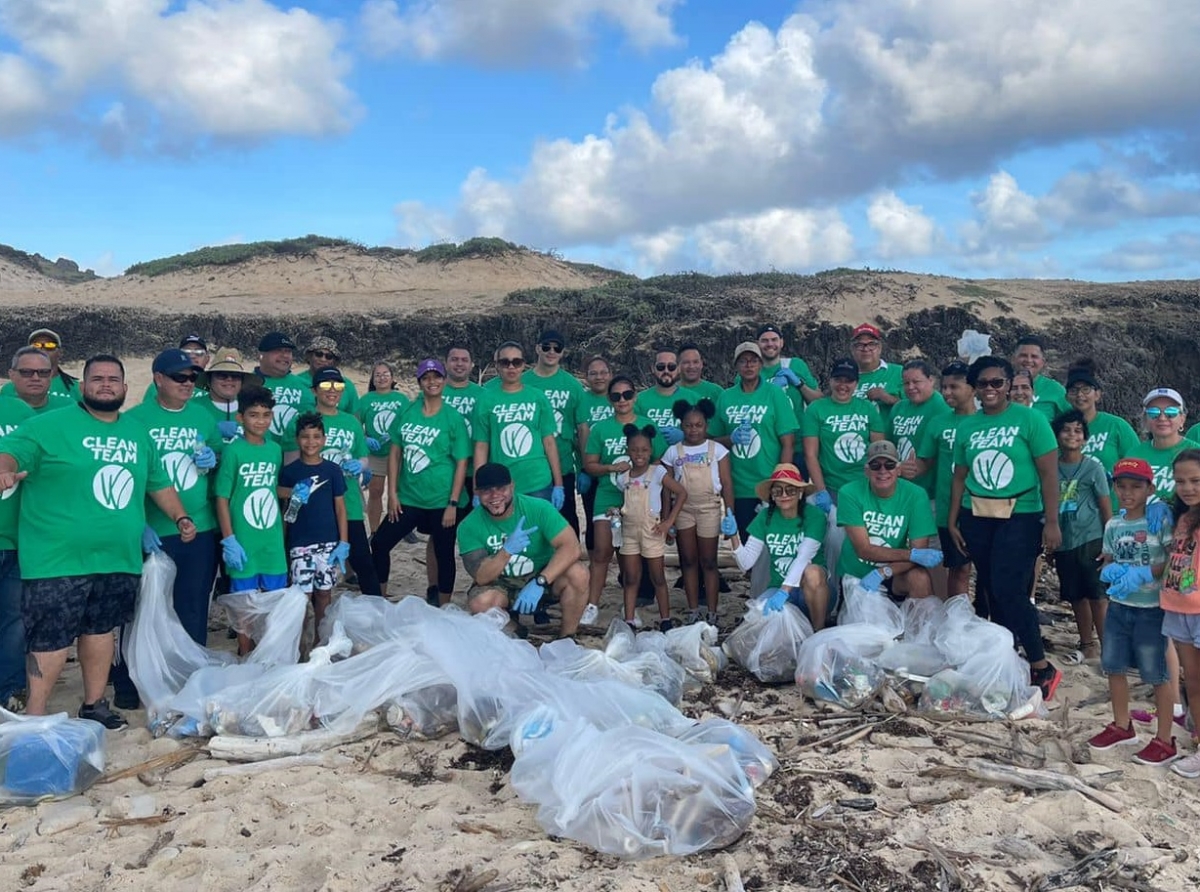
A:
x: 900, y: 478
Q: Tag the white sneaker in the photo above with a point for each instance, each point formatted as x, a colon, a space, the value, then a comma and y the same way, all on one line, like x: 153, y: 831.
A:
x: 590, y: 614
x: 1189, y: 767
x: 694, y: 616
x: 635, y: 623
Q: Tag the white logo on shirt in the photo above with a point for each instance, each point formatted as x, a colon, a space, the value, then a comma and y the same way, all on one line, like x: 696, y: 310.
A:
x: 181, y: 468
x: 516, y: 441
x: 261, y: 509
x: 113, y: 487
x: 992, y: 469
x: 850, y: 449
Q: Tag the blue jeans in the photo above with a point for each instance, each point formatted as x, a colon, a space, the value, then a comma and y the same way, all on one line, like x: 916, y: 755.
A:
x: 12, y: 630
x: 195, y: 570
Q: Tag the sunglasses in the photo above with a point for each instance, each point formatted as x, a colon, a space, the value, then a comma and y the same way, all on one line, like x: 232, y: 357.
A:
x: 782, y: 489
x: 196, y: 351
x: 1169, y: 412
x: 881, y: 464
x: 335, y: 386
x: 511, y: 363
x: 35, y: 373
x: 550, y: 347
x: 616, y: 396
x: 45, y: 345
x: 184, y: 377
x: 322, y: 354
x: 665, y: 366
x: 992, y: 383
x: 226, y: 376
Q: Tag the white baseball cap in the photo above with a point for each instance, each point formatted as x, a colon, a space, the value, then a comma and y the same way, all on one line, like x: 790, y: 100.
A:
x: 1164, y: 393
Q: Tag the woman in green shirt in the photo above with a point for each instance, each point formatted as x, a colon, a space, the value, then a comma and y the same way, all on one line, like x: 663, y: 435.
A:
x: 1164, y: 417
x: 912, y: 415
x: 377, y: 410
x: 593, y: 408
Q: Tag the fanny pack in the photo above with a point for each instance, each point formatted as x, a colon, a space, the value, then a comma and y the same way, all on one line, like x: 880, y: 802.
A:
x: 994, y: 508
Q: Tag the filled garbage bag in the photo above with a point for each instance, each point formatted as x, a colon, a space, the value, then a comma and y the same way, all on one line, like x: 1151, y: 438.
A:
x: 630, y: 792
x: 47, y: 757
x: 766, y: 643
x: 620, y: 660
x: 872, y: 609
x: 272, y: 620
x: 962, y: 633
x: 840, y: 665
x: 425, y: 713
x: 973, y: 344
x: 922, y: 617
x: 752, y: 754
x: 162, y: 656
x: 186, y: 714
x: 991, y: 684
x: 694, y: 647
x: 921, y: 660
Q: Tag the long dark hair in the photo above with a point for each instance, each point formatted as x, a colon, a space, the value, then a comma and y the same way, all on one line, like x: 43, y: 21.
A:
x: 1181, y: 508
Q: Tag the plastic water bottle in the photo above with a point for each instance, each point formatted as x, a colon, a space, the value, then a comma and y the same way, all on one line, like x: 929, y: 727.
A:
x: 618, y: 538
x: 294, y: 504
x: 197, y: 448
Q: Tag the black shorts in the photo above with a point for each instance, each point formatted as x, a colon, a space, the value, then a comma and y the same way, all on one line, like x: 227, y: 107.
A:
x: 56, y: 611
x: 952, y: 558
x: 1079, y: 573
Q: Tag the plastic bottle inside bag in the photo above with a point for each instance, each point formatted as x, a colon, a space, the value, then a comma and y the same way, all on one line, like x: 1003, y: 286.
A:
x: 614, y: 521
x: 197, y: 448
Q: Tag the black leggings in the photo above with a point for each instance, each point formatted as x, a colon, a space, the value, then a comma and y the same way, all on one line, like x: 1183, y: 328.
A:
x: 1005, y: 552
x: 428, y: 521
x: 360, y: 558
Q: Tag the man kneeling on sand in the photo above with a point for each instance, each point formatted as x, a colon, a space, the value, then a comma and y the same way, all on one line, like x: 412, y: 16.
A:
x: 520, y: 552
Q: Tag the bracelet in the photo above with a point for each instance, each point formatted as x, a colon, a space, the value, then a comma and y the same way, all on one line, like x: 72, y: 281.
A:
x: 180, y: 520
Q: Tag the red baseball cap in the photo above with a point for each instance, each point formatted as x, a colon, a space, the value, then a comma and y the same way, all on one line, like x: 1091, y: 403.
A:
x: 867, y: 329
x: 1134, y: 469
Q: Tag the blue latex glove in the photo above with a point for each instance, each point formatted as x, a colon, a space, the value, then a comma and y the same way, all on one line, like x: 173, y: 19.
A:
x: 821, y: 499
x: 518, y: 540
x: 205, y: 458
x: 302, y: 491
x: 926, y: 557
x: 785, y: 377
x: 672, y: 435
x: 234, y: 554
x: 742, y: 434
x: 150, y: 541
x: 1114, y: 572
x: 227, y: 429
x: 529, y: 597
x: 558, y: 497
x: 775, y: 602
x: 373, y: 444
x: 728, y: 523
x: 340, y: 555
x: 474, y: 501
x: 873, y: 581
x: 1130, y: 583
x: 367, y: 474
x: 1157, y: 514
x: 583, y: 483
x: 352, y: 466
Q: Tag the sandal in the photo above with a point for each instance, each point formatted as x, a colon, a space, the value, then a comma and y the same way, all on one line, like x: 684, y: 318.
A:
x: 1080, y: 655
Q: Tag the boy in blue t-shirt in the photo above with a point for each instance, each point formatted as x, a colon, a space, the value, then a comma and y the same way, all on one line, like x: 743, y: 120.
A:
x: 316, y: 538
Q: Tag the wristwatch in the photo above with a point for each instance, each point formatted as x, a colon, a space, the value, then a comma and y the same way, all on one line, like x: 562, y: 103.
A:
x: 886, y: 572
x: 541, y: 580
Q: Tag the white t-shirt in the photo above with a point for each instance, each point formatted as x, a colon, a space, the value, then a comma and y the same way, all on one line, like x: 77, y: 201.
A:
x: 652, y: 479
x: 679, y: 455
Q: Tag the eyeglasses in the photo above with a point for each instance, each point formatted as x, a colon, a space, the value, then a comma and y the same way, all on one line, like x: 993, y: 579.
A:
x: 881, y: 464
x: 184, y: 377
x: 1169, y: 412
x: 616, y: 396
x: 782, y: 489
x: 992, y: 383
x: 1082, y: 389
x: 865, y: 345
x: 550, y: 347
x: 44, y: 345
x: 34, y: 373
x: 322, y: 354
x: 511, y: 363
x: 335, y: 386
x: 665, y: 366
x: 196, y: 351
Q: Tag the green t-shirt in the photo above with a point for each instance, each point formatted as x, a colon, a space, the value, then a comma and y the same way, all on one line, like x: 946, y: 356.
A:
x: 607, y: 440
x: 659, y: 408
x: 1131, y: 542
x: 889, y: 376
x: 293, y: 395
x: 595, y: 407
x: 803, y: 372
x: 1110, y: 439
x: 378, y: 411
x: 893, y: 522
x: 12, y: 413
x: 703, y: 390
x: 83, y: 503
x: 54, y: 402
x: 1161, y: 462
x: 564, y: 393
x: 479, y: 531
x: 462, y: 400
x: 431, y: 447
x: 771, y: 417
x: 782, y: 537
x: 1080, y: 487
x: 248, y: 476
x: 1049, y: 397
x: 175, y: 437
x: 58, y: 387
x: 1001, y: 452
x: 908, y: 420
x: 937, y: 445
x: 514, y: 425
x: 344, y: 436
x: 843, y: 432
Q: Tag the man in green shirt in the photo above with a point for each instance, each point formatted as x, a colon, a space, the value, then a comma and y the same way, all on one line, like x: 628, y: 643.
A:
x: 878, y: 381
x: 196, y: 349
x: 658, y: 402
x: 223, y: 380
x: 516, y: 548
x: 323, y: 353
x: 791, y: 373
x: 565, y: 395
x: 31, y: 376
x: 691, y: 371
x: 1049, y: 397
x: 60, y: 382
x: 293, y: 393
x: 85, y: 473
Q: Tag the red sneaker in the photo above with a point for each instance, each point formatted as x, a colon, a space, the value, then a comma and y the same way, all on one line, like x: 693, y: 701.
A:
x: 1157, y: 753
x: 1113, y: 736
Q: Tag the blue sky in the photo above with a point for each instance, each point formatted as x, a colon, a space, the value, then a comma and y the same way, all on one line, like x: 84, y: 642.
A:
x: 1017, y: 139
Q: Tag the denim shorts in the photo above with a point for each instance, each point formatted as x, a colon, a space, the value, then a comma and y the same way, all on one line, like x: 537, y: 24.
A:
x: 56, y: 611
x: 1182, y: 627
x: 1133, y: 639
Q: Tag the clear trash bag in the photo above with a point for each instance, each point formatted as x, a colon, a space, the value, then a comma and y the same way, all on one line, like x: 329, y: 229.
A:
x: 694, y: 647
x: 973, y: 344
x: 991, y: 684
x: 921, y: 660
x: 839, y: 665
x: 187, y: 711
x: 922, y: 618
x: 47, y: 757
x: 752, y: 754
x: 631, y: 792
x: 619, y: 660
x: 962, y: 633
x: 272, y: 620
x: 872, y: 609
x: 161, y: 656
x: 424, y: 714
x: 766, y: 643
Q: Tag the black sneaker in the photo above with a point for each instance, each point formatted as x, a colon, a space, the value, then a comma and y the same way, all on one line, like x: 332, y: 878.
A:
x: 412, y: 538
x: 665, y: 625
x: 123, y: 699
x: 1046, y: 678
x: 431, y: 596
x: 99, y: 712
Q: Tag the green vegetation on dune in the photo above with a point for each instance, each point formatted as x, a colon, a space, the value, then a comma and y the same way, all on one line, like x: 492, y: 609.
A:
x: 62, y: 270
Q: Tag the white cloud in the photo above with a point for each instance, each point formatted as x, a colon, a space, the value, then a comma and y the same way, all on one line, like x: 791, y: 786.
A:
x: 1106, y: 197
x: 509, y: 32
x: 903, y: 230
x: 1143, y: 255
x: 22, y: 97
x: 223, y: 69
x: 779, y: 238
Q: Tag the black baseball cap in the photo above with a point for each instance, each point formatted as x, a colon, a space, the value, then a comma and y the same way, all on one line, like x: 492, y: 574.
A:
x: 329, y: 374
x: 193, y: 339
x: 275, y: 340
x: 1082, y: 376
x: 492, y: 476
x: 774, y: 329
x: 552, y: 336
x: 844, y: 368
